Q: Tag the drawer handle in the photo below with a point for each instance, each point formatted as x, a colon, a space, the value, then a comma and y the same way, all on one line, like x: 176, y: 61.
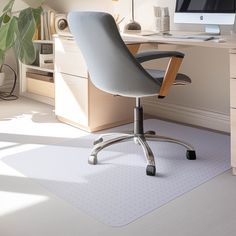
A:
x: 70, y: 38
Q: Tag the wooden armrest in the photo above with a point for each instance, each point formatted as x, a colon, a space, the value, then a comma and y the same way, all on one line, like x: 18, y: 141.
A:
x: 133, y: 48
x: 170, y: 75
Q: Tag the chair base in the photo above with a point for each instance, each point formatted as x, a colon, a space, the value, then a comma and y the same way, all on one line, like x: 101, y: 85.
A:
x: 100, y: 144
x: 141, y: 138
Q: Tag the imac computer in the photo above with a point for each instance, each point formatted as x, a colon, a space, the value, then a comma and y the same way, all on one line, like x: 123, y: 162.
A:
x: 211, y: 13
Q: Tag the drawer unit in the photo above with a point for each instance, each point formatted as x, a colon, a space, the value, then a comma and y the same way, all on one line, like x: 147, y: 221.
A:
x: 233, y: 93
x: 106, y: 110
x: 68, y: 58
x: 36, y: 81
x: 233, y: 138
x: 71, y: 98
x: 233, y: 65
x: 77, y: 101
x: 233, y: 108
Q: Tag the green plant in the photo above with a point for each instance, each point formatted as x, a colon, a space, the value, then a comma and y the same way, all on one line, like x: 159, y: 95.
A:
x: 17, y: 31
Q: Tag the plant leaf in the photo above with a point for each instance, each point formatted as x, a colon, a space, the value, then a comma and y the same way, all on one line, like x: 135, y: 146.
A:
x: 9, y: 6
x: 19, y: 31
x: 1, y: 20
x: 36, y: 12
x: 28, y: 21
x: 2, y: 57
x: 7, y: 34
x: 6, y: 18
x: 25, y: 51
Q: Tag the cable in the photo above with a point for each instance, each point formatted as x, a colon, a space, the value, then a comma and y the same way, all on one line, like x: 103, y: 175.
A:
x: 9, y: 96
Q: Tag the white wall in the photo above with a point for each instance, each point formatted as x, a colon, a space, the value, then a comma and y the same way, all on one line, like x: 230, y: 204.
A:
x: 69, y: 5
x: 144, y: 13
x: 208, y: 69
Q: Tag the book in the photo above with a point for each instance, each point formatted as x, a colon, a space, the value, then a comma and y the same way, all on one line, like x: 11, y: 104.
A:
x: 47, y: 28
x: 38, y: 76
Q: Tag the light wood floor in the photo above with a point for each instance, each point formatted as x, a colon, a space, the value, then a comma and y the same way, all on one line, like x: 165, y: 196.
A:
x: 27, y: 209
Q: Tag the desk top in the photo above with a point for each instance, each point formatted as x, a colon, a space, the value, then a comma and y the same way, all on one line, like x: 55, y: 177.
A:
x: 228, y: 43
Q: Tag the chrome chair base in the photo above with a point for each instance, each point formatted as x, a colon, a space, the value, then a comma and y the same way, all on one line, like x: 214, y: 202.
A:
x: 100, y: 144
x: 139, y: 137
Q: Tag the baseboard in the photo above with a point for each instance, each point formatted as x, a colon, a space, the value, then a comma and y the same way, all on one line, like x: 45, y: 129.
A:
x: 202, y: 118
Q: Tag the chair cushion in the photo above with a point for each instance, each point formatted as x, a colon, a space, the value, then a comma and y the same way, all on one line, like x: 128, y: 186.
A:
x: 158, y: 75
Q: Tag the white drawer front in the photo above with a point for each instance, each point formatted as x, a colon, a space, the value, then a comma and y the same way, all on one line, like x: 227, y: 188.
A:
x: 233, y: 65
x: 233, y: 137
x: 233, y: 93
x: 71, y: 98
x: 69, y: 59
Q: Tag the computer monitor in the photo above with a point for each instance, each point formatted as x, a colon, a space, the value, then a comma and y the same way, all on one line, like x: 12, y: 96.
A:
x: 211, y: 13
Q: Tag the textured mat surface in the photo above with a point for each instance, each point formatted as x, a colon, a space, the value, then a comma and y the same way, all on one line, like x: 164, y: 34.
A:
x: 117, y: 191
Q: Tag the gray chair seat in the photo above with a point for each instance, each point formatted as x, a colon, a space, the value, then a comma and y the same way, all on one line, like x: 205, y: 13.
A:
x: 158, y: 75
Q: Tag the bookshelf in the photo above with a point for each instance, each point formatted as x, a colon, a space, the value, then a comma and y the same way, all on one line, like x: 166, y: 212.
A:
x: 39, y: 68
x: 37, y: 80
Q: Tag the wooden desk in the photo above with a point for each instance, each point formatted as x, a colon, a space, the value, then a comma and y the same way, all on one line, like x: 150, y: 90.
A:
x: 230, y: 41
x: 77, y: 101
x: 230, y: 44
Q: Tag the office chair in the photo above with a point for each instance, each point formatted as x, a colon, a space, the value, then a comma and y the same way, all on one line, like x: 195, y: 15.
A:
x: 113, y: 69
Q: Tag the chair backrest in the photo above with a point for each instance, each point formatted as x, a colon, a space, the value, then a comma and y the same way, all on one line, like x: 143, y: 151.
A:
x: 112, y: 67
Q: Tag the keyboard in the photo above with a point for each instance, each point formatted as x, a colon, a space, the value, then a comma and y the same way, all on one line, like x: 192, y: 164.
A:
x: 198, y: 37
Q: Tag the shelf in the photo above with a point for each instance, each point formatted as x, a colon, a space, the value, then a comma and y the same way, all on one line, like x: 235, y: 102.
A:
x: 38, y: 87
x: 39, y: 68
x: 43, y: 41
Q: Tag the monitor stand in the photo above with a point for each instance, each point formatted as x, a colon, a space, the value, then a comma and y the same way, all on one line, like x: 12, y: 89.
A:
x: 212, y: 29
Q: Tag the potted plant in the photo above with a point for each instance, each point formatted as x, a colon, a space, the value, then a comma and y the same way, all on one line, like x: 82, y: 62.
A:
x: 17, y: 31
x: 2, y: 76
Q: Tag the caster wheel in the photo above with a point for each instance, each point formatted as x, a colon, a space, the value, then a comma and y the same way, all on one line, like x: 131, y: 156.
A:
x: 98, y: 141
x: 136, y: 141
x: 151, y: 170
x: 93, y: 160
x: 151, y: 132
x: 191, y: 155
